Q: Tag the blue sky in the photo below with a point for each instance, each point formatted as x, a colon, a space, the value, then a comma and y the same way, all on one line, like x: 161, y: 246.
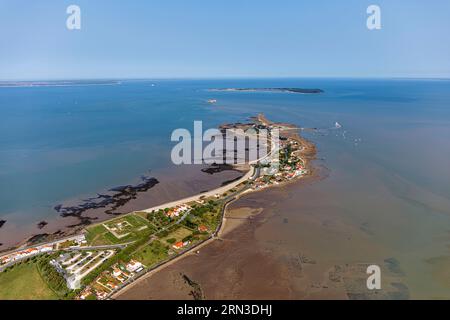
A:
x: 223, y: 38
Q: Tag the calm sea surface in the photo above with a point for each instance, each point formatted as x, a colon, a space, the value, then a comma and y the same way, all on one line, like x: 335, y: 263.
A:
x: 388, y: 164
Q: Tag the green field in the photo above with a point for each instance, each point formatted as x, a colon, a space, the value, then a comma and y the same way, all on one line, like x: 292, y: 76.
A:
x: 177, y: 234
x: 24, y: 282
x: 99, y: 235
x: 151, y: 254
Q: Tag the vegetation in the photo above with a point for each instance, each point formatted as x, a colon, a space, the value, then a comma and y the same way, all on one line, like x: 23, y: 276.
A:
x: 200, y: 211
x: 178, y: 234
x: 190, y: 224
x: 96, y: 236
x: 137, y: 228
x: 52, y: 277
x: 152, y: 254
x: 23, y: 282
x: 124, y: 255
x: 159, y: 218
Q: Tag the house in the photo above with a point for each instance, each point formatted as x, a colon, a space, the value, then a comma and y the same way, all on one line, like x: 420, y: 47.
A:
x: 180, y: 244
x: 175, y: 212
x: 5, y: 260
x: 111, y: 285
x: 101, y: 295
x: 203, y: 228
x: 134, y: 266
x: 116, y: 273
x: 45, y: 249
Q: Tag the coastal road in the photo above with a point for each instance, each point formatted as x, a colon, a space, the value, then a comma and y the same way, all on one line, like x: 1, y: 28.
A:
x: 105, y: 247
x: 220, y: 191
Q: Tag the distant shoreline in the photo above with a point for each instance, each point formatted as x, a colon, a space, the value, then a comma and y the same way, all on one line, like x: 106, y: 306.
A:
x: 282, y: 90
x: 37, y: 84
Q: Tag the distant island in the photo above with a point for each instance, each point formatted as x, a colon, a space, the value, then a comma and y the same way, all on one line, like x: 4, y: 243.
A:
x: 293, y: 90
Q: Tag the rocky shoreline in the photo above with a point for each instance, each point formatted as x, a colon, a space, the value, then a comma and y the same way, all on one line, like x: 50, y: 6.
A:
x: 121, y: 196
x: 42, y: 224
x: 216, y: 168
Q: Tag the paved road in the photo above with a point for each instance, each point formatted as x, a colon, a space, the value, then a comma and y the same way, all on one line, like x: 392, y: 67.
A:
x: 220, y: 190
x: 105, y: 247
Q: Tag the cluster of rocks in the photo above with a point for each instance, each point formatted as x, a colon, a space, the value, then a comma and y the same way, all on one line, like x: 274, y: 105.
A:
x: 216, y: 168
x: 42, y: 224
x: 110, y: 202
x: 42, y: 237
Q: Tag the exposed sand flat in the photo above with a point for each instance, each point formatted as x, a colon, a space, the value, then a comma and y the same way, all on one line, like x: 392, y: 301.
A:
x: 284, y: 251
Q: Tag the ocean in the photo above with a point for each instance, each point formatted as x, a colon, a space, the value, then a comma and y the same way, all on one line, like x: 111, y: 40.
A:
x: 387, y: 165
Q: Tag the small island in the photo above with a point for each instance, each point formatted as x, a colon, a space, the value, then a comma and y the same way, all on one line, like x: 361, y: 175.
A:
x: 291, y: 90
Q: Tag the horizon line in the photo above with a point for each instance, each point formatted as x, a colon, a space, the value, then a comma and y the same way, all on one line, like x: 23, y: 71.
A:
x: 227, y: 78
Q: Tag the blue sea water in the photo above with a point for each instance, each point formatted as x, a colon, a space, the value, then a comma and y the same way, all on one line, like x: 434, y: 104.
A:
x: 59, y: 143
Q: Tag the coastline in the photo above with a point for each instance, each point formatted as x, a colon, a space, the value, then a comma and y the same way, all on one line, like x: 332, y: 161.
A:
x: 238, y: 224
x: 294, y: 148
x: 226, y: 228
x: 175, y: 183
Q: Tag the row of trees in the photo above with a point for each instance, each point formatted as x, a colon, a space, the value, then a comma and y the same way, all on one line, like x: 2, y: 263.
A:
x: 199, y: 211
x: 53, y: 278
x: 159, y: 218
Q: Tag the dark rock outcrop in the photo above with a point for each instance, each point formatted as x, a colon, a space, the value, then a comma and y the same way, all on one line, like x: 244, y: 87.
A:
x: 121, y: 195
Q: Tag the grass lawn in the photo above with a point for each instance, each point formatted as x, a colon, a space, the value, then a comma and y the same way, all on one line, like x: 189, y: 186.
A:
x: 96, y: 236
x: 23, y: 282
x: 178, y: 235
x: 151, y: 254
x: 99, y: 235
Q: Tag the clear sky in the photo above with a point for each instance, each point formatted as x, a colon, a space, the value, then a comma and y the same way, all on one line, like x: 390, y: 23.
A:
x: 223, y: 38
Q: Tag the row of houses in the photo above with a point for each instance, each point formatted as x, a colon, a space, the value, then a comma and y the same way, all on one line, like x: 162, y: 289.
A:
x: 11, y: 258
x: 177, y: 211
x: 111, y: 279
x: 25, y: 253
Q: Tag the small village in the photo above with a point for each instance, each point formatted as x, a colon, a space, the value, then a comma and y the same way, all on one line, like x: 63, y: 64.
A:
x: 17, y: 256
x: 289, y: 167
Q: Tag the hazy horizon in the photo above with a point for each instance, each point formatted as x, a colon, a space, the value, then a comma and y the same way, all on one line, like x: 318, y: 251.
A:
x: 224, y: 78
